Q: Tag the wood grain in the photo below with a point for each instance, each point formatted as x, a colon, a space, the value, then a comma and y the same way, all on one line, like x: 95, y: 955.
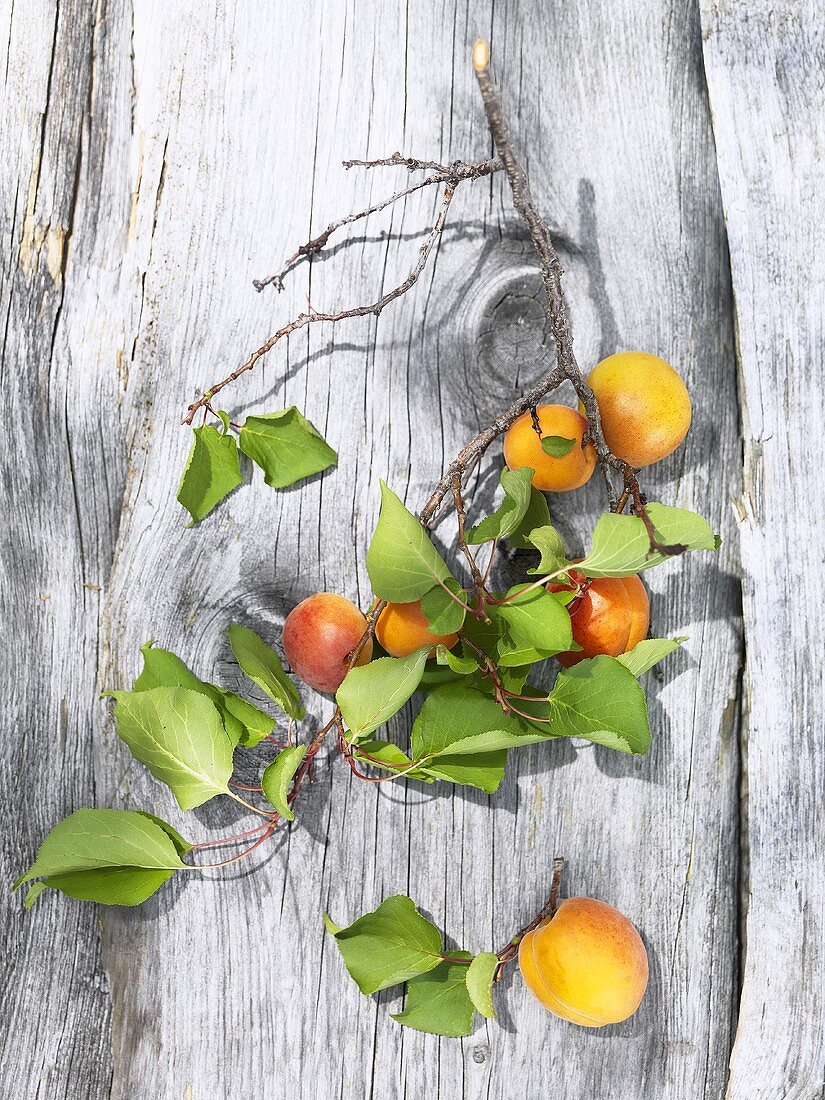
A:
x: 764, y: 70
x: 156, y: 159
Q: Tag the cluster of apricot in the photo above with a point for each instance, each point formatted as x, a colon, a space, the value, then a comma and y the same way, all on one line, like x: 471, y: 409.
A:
x: 587, y: 963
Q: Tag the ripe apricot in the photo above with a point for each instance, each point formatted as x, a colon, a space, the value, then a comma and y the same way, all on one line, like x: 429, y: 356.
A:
x: 319, y: 635
x: 611, y: 617
x: 402, y: 628
x: 644, y: 406
x: 522, y: 447
x: 586, y: 964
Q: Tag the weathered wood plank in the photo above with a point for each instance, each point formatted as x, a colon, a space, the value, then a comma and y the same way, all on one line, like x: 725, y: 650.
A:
x: 215, y: 138
x: 58, y: 528
x: 764, y: 67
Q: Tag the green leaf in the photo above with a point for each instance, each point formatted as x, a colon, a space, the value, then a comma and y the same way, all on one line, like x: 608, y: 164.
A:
x: 286, y: 447
x: 243, y: 722
x: 212, y: 472
x: 464, y: 664
x: 537, y: 515
x: 402, y: 563
x: 621, y: 544
x: 263, y: 667
x: 178, y: 734
x: 389, y: 946
x: 517, y: 486
x: 278, y: 776
x: 458, y: 720
x: 117, y: 857
x: 485, y: 636
x: 549, y: 544
x: 372, y: 693
x: 556, y: 445
x: 601, y: 700
x: 182, y: 846
x: 479, y: 978
x: 435, y: 675
x: 647, y: 653
x: 484, y: 771
x: 382, y: 754
x: 114, y: 886
x: 331, y: 926
x: 439, y: 1002
x: 443, y: 614
x: 537, y: 620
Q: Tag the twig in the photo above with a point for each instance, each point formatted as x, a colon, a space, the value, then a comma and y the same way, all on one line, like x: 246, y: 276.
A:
x: 454, y: 174
x: 304, y: 319
x: 478, y: 580
x: 510, y: 949
x: 458, y: 169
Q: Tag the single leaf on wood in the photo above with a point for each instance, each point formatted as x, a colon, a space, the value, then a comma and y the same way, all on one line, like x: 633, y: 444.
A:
x: 178, y: 734
x: 443, y: 614
x: 389, y: 946
x: 537, y: 619
x: 647, y: 653
x: 599, y: 699
x: 458, y: 720
x: 118, y: 857
x: 212, y: 472
x: 479, y: 978
x: 549, y: 544
x: 438, y: 1002
x: 263, y: 667
x: 510, y: 513
x: 244, y: 723
x: 537, y: 515
x: 401, y: 561
x: 372, y: 693
x: 286, y: 447
x: 621, y: 544
x: 278, y: 776
x: 557, y: 445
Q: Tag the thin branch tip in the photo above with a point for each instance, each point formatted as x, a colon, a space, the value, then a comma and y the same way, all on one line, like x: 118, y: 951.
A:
x: 481, y: 55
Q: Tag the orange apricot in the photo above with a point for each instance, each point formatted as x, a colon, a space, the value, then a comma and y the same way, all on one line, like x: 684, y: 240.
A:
x: 522, y: 447
x: 402, y: 628
x: 644, y: 406
x: 587, y: 964
x: 611, y: 617
x: 319, y: 635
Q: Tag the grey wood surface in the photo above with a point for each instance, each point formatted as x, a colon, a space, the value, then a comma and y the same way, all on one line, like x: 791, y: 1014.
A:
x: 767, y: 90
x: 156, y: 158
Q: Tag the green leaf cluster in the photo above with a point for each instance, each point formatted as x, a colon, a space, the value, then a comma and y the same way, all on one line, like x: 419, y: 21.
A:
x: 283, y: 444
x: 470, y: 719
x: 396, y: 944
x: 184, y: 730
